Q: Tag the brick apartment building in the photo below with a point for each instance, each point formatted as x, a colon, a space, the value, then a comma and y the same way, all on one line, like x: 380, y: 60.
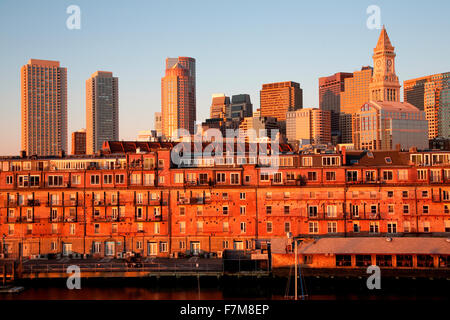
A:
x: 134, y: 199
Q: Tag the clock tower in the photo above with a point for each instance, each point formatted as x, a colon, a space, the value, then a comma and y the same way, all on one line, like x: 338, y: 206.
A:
x: 384, y: 85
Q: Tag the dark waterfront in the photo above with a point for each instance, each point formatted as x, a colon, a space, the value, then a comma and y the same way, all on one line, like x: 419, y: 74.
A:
x: 212, y: 288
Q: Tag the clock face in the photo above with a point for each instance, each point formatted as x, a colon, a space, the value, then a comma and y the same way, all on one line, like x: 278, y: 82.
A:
x: 389, y: 62
x: 378, y: 63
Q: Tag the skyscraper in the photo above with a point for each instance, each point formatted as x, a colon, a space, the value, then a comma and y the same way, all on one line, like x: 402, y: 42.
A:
x: 276, y: 99
x: 158, y: 124
x: 240, y: 108
x: 79, y: 142
x: 309, y: 125
x: 425, y: 94
x: 178, y: 97
x: 219, y: 105
x: 102, y: 110
x: 356, y: 90
x: 44, y: 108
x: 330, y: 89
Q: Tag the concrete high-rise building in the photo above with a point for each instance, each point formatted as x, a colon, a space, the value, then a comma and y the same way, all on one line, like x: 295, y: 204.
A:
x: 330, y: 89
x: 219, y: 105
x: 178, y: 97
x: 425, y: 94
x: 240, y: 108
x: 382, y: 125
x: 356, y: 90
x: 79, y: 142
x: 276, y: 99
x: 43, y: 108
x: 158, y: 124
x: 102, y: 110
x: 263, y: 127
x: 309, y: 125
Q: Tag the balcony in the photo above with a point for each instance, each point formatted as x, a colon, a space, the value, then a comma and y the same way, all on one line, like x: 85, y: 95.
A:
x: 33, y: 203
x: 193, y: 200
x: 11, y: 204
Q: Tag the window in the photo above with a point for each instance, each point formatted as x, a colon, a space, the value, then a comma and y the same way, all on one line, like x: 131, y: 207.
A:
x: 425, y: 209
x: 287, y: 227
x: 330, y: 176
x: 404, y: 260
x: 139, y: 212
x: 287, y: 195
x: 402, y: 175
x: 373, y: 209
x: 220, y: 177
x: 95, y: 179
x: 234, y: 178
x: 332, y: 226
x: 392, y: 227
x: 120, y: 179
x: 406, y: 209
x: 447, y: 225
x: 405, y: 194
x: 312, y: 211
x: 268, y: 209
x: 225, y: 210
x: 269, y: 227
x: 264, y: 176
x: 182, y: 226
x: 243, y: 227
x: 9, y: 179
x: 391, y: 208
x: 107, y: 179
x: 247, y: 179
x: 307, y: 161
x: 424, y: 194
x: 277, y: 177
x: 199, y: 226
x: 286, y: 209
x: 374, y: 227
x: 352, y: 176
x: 354, y: 209
x: 363, y: 260
x: 313, y: 227
x: 387, y: 175
x: 356, y: 227
x: 225, y: 195
x: 225, y: 244
x: 331, y: 211
x: 384, y: 260
x: 312, y: 176
x: 242, y: 196
x: 182, y: 244
x: 268, y: 195
x: 163, y: 245
x: 390, y: 194
x: 203, y: 178
x: 140, y: 227
x: 179, y: 178
x: 76, y: 179
x: 96, y: 228
x: 139, y: 198
x: 114, y: 228
x: 343, y: 260
x: 446, y: 208
x: 422, y: 174
x: 225, y: 226
x: 330, y: 161
x: 55, y: 181
x: 182, y: 211
x: 426, y: 226
x: 242, y: 210
x: 72, y: 228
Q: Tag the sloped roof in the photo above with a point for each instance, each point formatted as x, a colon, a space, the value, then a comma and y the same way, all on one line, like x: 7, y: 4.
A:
x: 366, y: 245
x: 377, y: 158
x: 384, y: 43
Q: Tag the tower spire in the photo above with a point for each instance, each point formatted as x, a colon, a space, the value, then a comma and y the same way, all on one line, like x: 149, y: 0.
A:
x: 384, y: 43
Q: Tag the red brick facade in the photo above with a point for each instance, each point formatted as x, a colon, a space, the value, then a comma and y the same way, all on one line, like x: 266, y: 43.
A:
x: 141, y: 202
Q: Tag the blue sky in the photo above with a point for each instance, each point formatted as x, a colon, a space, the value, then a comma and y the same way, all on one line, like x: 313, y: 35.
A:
x: 238, y: 45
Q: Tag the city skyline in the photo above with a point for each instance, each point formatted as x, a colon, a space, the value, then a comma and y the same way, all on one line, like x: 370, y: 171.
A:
x: 144, y: 98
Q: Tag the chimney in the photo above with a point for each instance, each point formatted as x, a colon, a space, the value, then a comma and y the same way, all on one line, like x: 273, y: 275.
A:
x: 23, y: 153
x: 62, y: 154
x: 344, y: 155
x: 413, y: 149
